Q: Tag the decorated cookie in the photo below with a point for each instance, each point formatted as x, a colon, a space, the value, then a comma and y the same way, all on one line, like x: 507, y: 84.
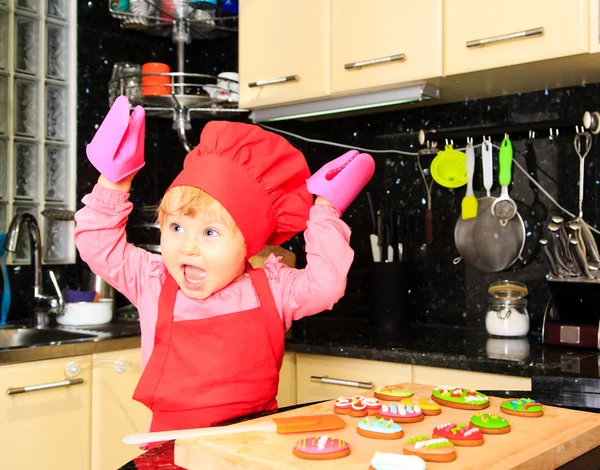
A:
x: 459, y: 435
x: 456, y: 397
x: 522, y: 407
x: 356, y: 406
x: 428, y: 407
x: 321, y: 448
x: 385, y: 461
x: 378, y: 428
x: 400, y: 413
x: 393, y: 392
x: 430, y: 450
x: 490, y: 423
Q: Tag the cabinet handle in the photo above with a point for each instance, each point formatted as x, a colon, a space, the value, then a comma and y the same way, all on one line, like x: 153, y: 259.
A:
x: 347, y: 383
x: 272, y: 81
x: 33, y: 388
x: 381, y: 60
x: 506, y: 37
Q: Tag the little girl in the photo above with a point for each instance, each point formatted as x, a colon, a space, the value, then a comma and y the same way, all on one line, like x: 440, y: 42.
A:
x: 212, y: 327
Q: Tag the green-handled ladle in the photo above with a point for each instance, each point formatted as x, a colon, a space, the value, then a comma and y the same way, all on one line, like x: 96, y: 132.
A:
x: 504, y: 208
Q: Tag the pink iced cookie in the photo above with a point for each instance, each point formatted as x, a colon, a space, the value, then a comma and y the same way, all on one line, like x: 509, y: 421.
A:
x: 321, y: 448
x: 401, y: 413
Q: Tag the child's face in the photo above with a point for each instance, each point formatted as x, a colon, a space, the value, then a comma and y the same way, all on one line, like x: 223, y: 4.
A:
x: 201, y: 252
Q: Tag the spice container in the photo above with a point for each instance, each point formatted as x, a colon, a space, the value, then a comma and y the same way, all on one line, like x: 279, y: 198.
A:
x: 507, y: 314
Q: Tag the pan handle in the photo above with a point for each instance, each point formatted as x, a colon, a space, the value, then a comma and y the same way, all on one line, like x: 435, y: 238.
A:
x: 429, y: 226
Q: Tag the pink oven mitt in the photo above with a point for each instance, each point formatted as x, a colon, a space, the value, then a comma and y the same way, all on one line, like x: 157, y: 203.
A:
x: 117, y: 149
x: 340, y: 180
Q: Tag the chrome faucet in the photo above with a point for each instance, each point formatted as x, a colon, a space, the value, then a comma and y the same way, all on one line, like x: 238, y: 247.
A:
x: 43, y: 305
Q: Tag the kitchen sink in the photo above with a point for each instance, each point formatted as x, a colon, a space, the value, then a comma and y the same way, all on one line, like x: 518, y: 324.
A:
x: 32, y: 337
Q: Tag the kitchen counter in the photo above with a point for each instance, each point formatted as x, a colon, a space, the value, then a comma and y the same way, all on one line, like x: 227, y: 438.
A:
x: 427, y: 345
x: 109, y: 337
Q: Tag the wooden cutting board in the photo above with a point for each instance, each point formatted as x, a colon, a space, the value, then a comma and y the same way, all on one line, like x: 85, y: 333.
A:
x: 534, y: 443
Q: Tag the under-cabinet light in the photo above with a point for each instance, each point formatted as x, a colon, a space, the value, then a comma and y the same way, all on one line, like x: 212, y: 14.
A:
x: 344, y: 104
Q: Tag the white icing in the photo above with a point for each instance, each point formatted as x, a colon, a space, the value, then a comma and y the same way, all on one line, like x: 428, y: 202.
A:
x: 386, y: 461
x: 429, y: 442
x: 322, y: 441
x: 476, y: 399
x: 445, y: 425
x: 471, y: 431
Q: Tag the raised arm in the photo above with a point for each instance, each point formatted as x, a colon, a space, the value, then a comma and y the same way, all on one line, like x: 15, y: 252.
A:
x: 117, y: 151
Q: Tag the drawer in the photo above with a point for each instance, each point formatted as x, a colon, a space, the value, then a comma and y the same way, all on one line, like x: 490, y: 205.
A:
x: 358, y: 370
x: 564, y: 26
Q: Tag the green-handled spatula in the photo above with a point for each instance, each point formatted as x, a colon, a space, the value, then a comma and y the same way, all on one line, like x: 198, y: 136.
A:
x: 504, y: 208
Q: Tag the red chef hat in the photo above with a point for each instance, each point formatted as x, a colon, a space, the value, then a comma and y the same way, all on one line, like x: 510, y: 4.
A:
x: 258, y: 176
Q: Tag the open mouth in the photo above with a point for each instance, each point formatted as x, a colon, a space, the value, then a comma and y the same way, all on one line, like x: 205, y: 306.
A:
x: 194, y: 277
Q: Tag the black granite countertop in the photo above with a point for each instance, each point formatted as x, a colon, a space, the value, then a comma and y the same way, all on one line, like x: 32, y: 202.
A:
x: 468, y: 349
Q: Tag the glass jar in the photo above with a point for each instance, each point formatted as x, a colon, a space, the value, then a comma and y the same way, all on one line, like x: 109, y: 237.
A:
x: 507, y: 315
x: 507, y: 318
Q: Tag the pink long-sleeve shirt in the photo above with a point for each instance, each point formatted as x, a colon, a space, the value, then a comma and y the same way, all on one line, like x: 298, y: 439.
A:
x: 139, y: 275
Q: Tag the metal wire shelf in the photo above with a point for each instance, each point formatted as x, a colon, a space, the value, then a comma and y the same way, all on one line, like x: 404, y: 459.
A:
x: 175, y: 18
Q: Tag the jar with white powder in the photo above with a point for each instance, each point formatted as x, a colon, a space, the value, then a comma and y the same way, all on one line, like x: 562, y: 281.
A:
x: 507, y: 315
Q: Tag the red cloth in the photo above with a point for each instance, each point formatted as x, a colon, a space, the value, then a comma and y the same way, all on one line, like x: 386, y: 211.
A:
x: 202, y: 372
x: 258, y: 176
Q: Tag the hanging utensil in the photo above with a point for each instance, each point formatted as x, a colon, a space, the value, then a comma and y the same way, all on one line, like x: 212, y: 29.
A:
x: 589, y: 242
x: 464, y: 230
x: 504, y: 208
x: 449, y: 168
x: 469, y: 203
x: 538, y: 209
x: 429, y: 211
x: 498, y: 246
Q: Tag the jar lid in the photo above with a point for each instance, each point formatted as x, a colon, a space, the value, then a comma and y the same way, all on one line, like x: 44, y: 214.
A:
x: 508, y: 290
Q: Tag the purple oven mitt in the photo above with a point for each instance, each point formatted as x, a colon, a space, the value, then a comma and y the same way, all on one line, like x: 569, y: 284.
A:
x: 117, y: 149
x: 340, y: 180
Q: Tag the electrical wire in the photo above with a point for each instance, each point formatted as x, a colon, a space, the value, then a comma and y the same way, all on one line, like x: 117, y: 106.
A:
x: 427, y: 186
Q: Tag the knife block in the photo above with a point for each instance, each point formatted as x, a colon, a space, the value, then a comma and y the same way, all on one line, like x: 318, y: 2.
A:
x: 388, y: 296
x: 572, y: 316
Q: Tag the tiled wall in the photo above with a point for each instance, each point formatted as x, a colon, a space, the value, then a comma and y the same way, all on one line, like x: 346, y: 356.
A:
x: 440, y: 291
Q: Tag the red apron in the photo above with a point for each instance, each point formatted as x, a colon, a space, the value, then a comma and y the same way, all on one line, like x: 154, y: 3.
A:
x: 205, y: 371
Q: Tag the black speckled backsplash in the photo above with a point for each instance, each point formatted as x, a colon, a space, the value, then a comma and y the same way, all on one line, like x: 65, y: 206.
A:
x: 440, y: 291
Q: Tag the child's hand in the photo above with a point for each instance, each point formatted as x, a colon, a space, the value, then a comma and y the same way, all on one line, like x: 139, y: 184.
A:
x: 323, y: 201
x: 117, y: 149
x: 339, y: 181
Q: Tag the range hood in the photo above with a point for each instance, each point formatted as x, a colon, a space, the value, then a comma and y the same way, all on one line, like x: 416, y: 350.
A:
x: 342, y: 104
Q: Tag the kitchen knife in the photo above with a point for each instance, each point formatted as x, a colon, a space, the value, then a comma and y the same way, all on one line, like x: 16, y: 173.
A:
x: 559, y: 255
x: 562, y: 236
x: 590, y: 242
x: 579, y: 257
x: 549, y: 258
x: 575, y: 233
x: 327, y: 422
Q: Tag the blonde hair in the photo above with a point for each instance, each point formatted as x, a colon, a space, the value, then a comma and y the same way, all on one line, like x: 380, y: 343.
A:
x: 192, y: 200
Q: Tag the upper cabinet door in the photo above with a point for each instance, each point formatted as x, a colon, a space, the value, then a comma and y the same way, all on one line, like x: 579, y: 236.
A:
x: 383, y: 43
x: 283, y: 51
x: 479, y: 35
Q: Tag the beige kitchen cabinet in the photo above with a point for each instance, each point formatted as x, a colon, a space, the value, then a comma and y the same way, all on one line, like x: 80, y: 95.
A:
x: 46, y: 428
x: 437, y: 376
x: 286, y: 395
x: 114, y: 412
x: 346, y: 369
x: 384, y: 44
x: 283, y: 51
x: 515, y: 32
